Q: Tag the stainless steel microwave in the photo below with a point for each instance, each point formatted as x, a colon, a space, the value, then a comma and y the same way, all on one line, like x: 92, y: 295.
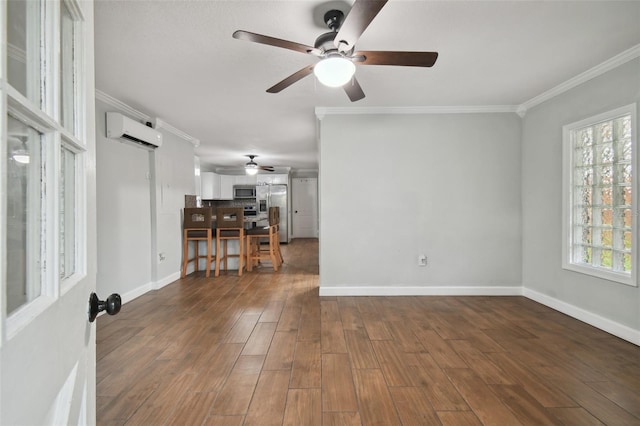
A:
x: 244, y: 191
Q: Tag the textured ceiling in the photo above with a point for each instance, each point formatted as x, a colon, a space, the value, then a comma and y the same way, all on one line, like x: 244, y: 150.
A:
x: 176, y: 60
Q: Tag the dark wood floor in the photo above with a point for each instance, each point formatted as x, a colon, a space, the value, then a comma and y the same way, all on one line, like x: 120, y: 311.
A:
x: 265, y: 349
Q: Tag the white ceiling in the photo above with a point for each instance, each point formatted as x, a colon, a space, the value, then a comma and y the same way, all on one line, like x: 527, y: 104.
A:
x: 176, y: 60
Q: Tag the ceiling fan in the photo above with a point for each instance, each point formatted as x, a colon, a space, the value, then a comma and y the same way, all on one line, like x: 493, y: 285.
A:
x: 251, y: 168
x: 336, y: 50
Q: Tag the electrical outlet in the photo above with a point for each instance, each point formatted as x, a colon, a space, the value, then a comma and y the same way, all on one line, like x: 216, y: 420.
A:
x: 422, y: 260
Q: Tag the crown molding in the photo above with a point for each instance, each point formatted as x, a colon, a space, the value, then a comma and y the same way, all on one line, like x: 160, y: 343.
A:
x: 591, y: 73
x: 321, y: 112
x: 521, y: 110
x: 115, y: 103
x: 161, y: 124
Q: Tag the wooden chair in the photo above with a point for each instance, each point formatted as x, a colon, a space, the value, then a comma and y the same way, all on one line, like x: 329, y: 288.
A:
x: 196, y: 228
x: 255, y: 252
x: 229, y: 226
x: 277, y: 225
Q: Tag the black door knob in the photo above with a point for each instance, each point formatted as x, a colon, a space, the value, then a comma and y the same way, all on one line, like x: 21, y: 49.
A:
x: 112, y: 305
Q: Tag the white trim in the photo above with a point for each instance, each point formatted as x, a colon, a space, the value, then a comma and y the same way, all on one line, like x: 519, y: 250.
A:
x: 136, y: 292
x: 591, y: 73
x: 145, y: 288
x: 512, y: 290
x: 166, y: 280
x: 161, y: 124
x: 25, y: 314
x: 620, y: 330
x: 321, y: 112
x: 115, y: 103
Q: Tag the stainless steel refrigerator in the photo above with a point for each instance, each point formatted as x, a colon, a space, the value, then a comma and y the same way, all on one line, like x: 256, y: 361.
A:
x: 276, y: 196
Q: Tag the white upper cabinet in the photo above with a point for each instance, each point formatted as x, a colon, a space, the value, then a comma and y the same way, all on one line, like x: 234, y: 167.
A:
x: 226, y: 187
x: 210, y: 185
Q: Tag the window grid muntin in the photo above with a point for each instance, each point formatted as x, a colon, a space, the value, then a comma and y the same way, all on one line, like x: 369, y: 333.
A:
x: 602, y: 189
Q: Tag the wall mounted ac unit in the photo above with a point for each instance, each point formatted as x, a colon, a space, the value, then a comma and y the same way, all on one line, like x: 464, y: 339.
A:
x: 119, y: 126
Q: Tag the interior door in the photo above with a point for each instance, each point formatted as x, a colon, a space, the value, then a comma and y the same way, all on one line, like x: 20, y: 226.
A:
x: 47, y: 201
x: 305, y: 207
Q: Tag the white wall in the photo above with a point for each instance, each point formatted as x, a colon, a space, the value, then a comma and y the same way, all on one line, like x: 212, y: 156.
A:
x: 601, y: 302
x: 395, y: 186
x: 140, y: 201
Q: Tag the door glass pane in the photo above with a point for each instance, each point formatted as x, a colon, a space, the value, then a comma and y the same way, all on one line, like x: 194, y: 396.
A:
x: 67, y: 213
x: 67, y: 74
x: 23, y: 46
x: 24, y: 213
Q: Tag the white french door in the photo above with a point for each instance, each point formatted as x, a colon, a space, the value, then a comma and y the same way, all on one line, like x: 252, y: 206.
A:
x: 47, y: 206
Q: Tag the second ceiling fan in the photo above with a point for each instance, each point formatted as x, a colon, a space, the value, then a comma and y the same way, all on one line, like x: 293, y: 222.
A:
x: 251, y: 168
x: 336, y: 50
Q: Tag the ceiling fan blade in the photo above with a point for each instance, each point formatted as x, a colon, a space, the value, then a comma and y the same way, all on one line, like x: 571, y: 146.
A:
x: 353, y: 90
x: 406, y: 59
x: 272, y: 41
x: 358, y: 19
x: 298, y: 75
x: 266, y: 168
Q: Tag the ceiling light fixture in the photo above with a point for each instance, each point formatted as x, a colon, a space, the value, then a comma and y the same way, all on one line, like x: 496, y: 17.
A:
x: 334, y: 71
x: 251, y: 168
x: 21, y: 156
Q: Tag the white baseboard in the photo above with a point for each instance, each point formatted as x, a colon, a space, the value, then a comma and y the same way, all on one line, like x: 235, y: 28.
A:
x: 422, y: 291
x: 157, y: 285
x: 166, y: 280
x: 611, y: 327
x: 136, y: 292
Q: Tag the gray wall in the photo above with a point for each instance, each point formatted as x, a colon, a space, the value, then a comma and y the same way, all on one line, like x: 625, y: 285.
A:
x: 140, y: 196
x: 395, y: 186
x: 124, y: 213
x: 173, y: 179
x: 542, y: 197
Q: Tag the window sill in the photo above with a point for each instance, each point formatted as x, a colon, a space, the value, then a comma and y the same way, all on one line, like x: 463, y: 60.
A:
x: 616, y: 277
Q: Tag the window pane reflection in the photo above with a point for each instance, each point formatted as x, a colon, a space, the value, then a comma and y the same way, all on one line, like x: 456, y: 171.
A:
x: 23, y: 46
x: 67, y: 212
x: 24, y: 210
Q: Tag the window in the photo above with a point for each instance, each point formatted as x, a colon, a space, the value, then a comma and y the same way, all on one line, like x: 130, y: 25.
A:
x: 24, y: 209
x: 600, y: 219
x: 42, y: 168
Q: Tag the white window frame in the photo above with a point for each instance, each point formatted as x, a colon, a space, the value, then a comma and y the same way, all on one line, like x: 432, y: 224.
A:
x: 46, y: 117
x: 568, y: 198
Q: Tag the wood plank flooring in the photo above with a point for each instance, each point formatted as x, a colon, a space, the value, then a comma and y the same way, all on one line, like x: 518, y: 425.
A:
x: 265, y: 349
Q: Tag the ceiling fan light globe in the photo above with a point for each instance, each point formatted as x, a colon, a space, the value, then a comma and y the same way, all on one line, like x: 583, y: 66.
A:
x: 334, y: 71
x: 21, y: 157
x: 251, y: 169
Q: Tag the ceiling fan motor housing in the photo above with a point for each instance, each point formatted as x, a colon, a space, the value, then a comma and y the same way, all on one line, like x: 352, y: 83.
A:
x: 334, y: 19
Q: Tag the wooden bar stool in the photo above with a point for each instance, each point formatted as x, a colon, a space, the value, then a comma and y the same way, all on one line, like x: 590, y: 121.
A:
x: 255, y: 253
x: 229, y: 226
x: 196, y: 228
x: 277, y: 225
